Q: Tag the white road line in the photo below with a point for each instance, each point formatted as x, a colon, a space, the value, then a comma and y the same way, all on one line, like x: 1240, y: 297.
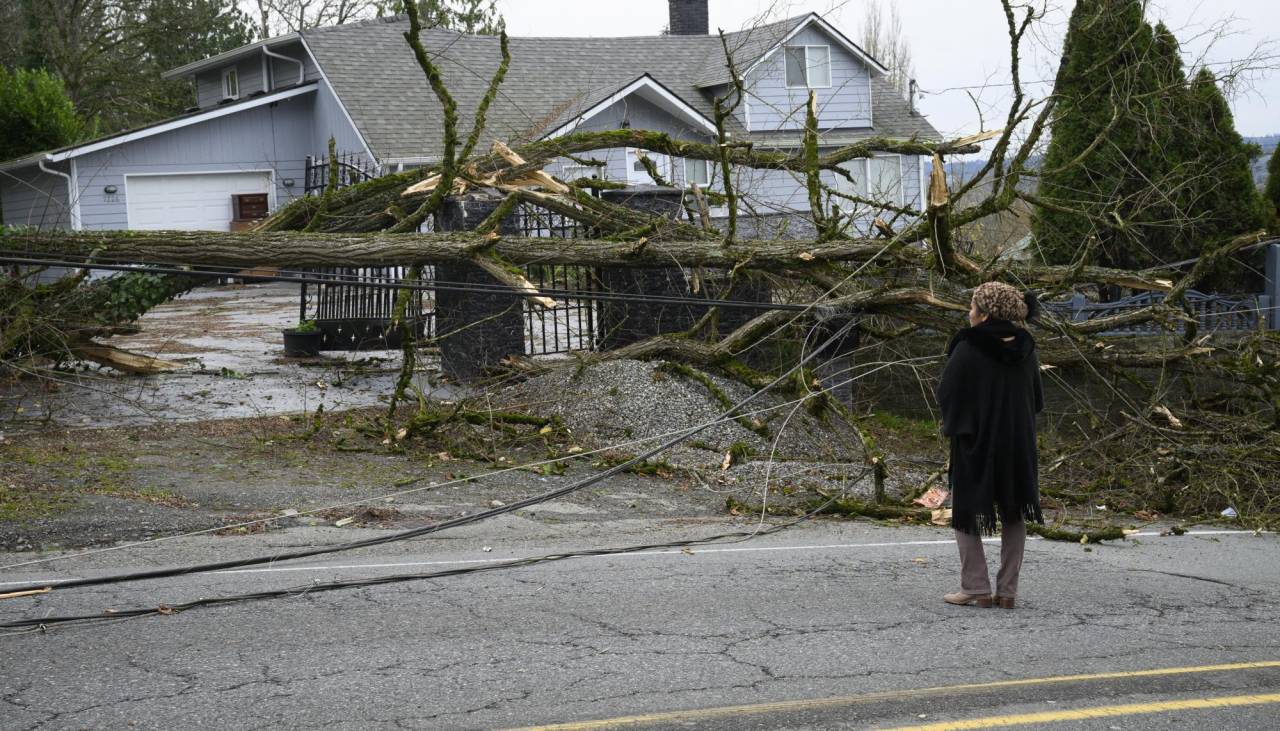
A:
x: 637, y: 554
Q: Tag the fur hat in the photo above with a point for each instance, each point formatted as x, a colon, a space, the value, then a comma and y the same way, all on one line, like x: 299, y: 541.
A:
x: 1002, y: 302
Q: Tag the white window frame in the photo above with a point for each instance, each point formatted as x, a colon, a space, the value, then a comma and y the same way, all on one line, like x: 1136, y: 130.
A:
x: 901, y: 195
x: 229, y: 79
x: 862, y: 168
x: 574, y: 171
x: 706, y: 166
x: 807, y: 66
x: 858, y: 169
x: 641, y: 177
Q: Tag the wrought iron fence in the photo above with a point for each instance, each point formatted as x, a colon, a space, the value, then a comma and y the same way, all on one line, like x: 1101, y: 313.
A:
x: 1215, y: 313
x: 355, y: 310
x: 572, y: 323
x: 352, y: 168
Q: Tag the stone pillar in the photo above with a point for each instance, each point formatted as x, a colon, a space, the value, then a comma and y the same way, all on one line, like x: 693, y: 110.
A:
x: 745, y: 288
x: 489, y: 327
x: 835, y: 363
x: 622, y: 322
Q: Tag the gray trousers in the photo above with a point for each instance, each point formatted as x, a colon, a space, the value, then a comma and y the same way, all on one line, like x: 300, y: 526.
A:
x: 973, y: 562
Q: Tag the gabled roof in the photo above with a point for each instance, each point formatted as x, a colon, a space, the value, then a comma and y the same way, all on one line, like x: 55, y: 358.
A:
x: 550, y: 82
x: 647, y: 88
x: 749, y: 47
x: 155, y: 128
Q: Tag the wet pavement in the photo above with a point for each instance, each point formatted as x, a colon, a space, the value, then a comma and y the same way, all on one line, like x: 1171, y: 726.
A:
x: 227, y: 341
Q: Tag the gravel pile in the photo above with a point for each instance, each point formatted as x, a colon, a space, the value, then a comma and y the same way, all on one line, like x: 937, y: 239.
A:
x: 621, y: 401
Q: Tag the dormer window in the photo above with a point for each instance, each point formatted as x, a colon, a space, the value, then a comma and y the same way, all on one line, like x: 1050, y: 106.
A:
x: 808, y: 66
x: 230, y: 85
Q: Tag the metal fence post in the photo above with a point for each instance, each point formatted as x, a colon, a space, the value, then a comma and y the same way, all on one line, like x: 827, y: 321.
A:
x: 1270, y: 300
x: 1078, y: 301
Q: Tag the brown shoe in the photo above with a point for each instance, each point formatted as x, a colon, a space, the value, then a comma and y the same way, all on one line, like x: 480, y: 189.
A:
x: 1004, y: 602
x: 963, y: 599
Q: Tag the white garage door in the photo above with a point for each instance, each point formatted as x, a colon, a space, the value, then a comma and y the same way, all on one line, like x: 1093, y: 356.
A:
x: 195, y: 202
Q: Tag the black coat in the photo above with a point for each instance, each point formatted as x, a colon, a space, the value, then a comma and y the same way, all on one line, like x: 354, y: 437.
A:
x: 990, y: 394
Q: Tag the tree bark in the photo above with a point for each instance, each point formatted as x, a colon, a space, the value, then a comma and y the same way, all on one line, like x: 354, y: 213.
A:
x: 308, y: 249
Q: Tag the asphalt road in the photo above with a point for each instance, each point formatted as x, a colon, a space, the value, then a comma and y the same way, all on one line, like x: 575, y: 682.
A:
x: 828, y: 625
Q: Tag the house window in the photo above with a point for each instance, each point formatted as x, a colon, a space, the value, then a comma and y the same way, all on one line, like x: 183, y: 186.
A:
x: 697, y: 171
x: 230, y: 85
x: 637, y: 174
x: 884, y: 178
x: 577, y: 172
x: 808, y: 66
x: 877, y: 179
x: 857, y: 170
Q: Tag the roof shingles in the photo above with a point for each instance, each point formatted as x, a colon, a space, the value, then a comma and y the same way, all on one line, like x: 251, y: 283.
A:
x: 549, y: 82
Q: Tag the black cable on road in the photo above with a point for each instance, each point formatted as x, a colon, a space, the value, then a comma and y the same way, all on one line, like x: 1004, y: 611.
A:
x: 455, y: 522
x: 353, y: 280
x: 42, y: 622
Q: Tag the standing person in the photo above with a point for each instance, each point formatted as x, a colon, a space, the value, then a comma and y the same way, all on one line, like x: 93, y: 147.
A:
x: 989, y: 395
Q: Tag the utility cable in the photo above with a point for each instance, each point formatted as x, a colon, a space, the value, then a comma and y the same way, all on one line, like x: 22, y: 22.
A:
x: 476, y: 478
x: 455, y: 522
x: 43, y: 622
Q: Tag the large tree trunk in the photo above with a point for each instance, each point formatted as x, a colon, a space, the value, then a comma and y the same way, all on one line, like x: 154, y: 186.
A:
x: 308, y: 249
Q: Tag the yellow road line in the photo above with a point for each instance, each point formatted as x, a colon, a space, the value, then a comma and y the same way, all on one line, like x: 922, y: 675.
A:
x: 703, y: 714
x: 1082, y: 714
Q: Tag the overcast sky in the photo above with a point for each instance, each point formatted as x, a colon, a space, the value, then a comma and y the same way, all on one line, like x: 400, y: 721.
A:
x: 961, y: 43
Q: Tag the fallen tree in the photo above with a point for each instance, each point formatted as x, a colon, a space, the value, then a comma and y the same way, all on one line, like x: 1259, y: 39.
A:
x: 910, y: 275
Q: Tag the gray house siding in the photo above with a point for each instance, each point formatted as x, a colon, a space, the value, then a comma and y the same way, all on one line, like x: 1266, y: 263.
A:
x: 248, y: 77
x: 780, y: 191
x: 249, y: 72
x: 770, y: 105
x: 32, y: 197
x: 273, y: 137
x: 330, y: 120
x: 636, y: 113
x: 285, y: 73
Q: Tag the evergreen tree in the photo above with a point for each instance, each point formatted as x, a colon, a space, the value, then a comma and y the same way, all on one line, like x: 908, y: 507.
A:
x: 207, y: 27
x: 1168, y: 177
x: 35, y: 113
x: 110, y: 53
x: 1272, y: 191
x: 1099, y: 159
x: 1227, y: 201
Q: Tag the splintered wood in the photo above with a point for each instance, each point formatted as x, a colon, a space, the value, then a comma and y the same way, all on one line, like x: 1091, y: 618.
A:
x: 535, y: 178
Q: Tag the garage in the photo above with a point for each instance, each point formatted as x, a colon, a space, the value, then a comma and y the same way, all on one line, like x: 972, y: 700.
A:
x: 189, y: 201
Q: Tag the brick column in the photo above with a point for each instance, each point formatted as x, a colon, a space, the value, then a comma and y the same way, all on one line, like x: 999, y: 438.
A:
x: 835, y: 363
x: 489, y: 327
x: 622, y: 322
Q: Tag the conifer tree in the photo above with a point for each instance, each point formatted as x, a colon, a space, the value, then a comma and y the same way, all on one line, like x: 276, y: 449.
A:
x: 1272, y: 192
x: 1227, y: 200
x: 1099, y: 158
x: 1149, y: 164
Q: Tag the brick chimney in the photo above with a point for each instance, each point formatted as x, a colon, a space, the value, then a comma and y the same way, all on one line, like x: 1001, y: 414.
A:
x: 689, y: 18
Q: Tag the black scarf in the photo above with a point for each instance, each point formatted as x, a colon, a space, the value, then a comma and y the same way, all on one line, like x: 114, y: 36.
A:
x: 990, y: 394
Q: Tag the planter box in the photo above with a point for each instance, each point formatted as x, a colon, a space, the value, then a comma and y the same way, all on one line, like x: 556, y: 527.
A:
x: 299, y: 344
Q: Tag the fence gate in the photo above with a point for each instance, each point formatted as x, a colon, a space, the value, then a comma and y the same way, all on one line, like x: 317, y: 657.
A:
x: 572, y: 323
x: 354, y: 310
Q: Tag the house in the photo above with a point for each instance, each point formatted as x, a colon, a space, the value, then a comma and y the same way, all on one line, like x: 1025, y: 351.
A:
x: 265, y: 109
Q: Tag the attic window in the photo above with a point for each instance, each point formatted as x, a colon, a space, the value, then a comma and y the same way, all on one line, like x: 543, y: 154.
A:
x: 230, y: 85
x: 808, y: 66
